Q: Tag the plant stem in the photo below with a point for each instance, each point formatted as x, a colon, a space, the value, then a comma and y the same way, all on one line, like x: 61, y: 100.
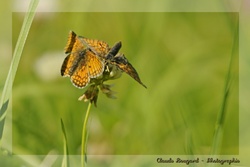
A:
x: 65, y: 162
x: 84, y: 136
x: 218, y: 134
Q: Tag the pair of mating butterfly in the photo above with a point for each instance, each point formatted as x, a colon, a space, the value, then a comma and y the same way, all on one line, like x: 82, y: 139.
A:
x: 90, y: 60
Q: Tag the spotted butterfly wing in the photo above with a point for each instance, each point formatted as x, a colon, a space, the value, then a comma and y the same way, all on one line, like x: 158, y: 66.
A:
x: 100, y: 48
x: 82, y: 63
x: 80, y: 78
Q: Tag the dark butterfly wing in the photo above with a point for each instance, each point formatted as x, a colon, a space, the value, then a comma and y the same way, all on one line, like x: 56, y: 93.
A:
x: 113, y: 51
x: 70, y: 43
x: 122, y: 63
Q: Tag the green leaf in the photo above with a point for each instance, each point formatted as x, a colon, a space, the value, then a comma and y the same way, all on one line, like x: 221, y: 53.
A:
x: 4, y: 101
x: 65, y: 162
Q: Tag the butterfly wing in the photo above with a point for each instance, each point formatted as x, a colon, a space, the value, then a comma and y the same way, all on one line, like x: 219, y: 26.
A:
x: 100, y: 48
x: 70, y: 64
x: 82, y: 63
x: 80, y: 77
x: 88, y: 66
x: 122, y: 63
x: 94, y: 64
x: 113, y: 51
x: 73, y: 48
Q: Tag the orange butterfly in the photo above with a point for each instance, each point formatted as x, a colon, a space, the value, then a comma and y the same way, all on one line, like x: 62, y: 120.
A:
x: 82, y: 62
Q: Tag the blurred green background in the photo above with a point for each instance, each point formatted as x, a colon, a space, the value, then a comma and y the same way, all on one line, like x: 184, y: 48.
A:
x: 183, y: 58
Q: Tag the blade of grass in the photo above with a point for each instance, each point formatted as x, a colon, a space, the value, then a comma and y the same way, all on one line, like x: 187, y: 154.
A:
x: 218, y: 134
x: 84, y: 137
x: 189, y: 146
x: 14, y: 63
x: 65, y: 162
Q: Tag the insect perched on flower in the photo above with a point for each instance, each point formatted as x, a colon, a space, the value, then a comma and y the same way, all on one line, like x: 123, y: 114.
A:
x: 91, y: 61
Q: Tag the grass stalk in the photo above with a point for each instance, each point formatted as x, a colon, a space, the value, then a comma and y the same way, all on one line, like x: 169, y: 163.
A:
x: 65, y: 162
x: 6, y: 94
x: 84, y: 137
x: 218, y: 133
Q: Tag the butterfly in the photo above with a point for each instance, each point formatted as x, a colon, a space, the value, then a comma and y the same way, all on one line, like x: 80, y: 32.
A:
x: 89, y: 59
x: 82, y: 62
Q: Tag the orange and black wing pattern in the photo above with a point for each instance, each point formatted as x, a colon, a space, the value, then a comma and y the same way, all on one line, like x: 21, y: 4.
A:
x: 81, y: 63
x: 80, y: 77
x: 100, y: 48
x: 87, y: 59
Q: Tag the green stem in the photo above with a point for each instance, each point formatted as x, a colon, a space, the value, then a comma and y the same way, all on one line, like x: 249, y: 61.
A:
x: 14, y: 63
x: 84, y: 136
x: 65, y: 162
x: 218, y: 134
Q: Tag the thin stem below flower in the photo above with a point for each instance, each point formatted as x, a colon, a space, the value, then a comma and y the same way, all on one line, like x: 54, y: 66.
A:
x: 84, y: 137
